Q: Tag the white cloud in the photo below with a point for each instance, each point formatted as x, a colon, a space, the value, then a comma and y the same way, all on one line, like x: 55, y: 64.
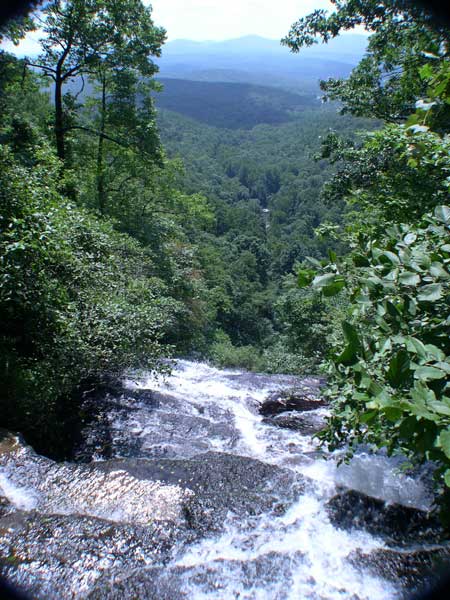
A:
x: 29, y: 46
x: 220, y: 20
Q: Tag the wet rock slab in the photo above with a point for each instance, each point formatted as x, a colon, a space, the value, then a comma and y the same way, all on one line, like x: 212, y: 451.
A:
x: 413, y: 569
x: 308, y: 423
x: 221, y: 483
x: 85, y: 528
x: 62, y: 556
x: 176, y: 583
x: 292, y: 400
x: 39, y: 483
x: 146, y: 584
x: 396, y: 523
x: 5, y: 506
x: 150, y: 424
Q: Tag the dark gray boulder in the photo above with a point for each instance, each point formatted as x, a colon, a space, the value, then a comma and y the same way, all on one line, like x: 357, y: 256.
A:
x: 145, y: 584
x: 307, y: 423
x: 78, y: 551
x: 5, y: 506
x: 288, y: 400
x: 414, y: 569
x: 396, y: 523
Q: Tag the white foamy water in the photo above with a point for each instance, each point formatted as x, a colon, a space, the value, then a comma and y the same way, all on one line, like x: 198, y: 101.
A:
x: 232, y: 396
x: 316, y: 552
x: 314, y: 555
x: 294, y: 553
x: 22, y: 497
x: 201, y: 385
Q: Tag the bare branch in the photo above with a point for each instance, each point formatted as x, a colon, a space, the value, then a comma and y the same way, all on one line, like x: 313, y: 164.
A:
x: 98, y: 134
x: 44, y: 67
x: 71, y: 72
x: 82, y: 87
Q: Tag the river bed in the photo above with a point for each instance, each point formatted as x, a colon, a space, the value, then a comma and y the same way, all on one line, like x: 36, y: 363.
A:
x: 182, y: 489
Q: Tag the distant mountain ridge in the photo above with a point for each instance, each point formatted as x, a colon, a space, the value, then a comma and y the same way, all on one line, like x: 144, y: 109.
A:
x: 258, y: 60
x: 351, y: 45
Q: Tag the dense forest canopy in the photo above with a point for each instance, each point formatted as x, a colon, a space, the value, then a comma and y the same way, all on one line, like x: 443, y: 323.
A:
x: 249, y: 224
x: 91, y: 283
x: 232, y: 105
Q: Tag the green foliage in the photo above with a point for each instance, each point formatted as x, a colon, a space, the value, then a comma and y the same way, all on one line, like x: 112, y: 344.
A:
x: 85, y: 299
x: 389, y: 372
x: 79, y: 300
x: 21, y: 96
x: 308, y: 319
x: 232, y: 105
x: 405, y: 38
x: 264, y: 187
x: 396, y: 175
x: 20, y: 23
x: 244, y: 173
x: 276, y: 358
x: 97, y: 39
x: 224, y: 354
x: 390, y: 385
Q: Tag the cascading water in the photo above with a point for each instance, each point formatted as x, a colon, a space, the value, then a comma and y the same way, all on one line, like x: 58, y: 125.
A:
x: 195, y: 496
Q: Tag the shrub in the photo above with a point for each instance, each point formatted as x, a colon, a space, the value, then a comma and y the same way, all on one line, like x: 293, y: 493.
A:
x: 78, y: 298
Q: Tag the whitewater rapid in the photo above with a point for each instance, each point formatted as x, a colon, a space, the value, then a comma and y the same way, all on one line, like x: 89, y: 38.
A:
x: 292, y: 553
x: 317, y: 551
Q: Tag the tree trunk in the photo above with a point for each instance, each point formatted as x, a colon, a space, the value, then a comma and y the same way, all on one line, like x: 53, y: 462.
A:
x: 59, y: 116
x: 101, y: 192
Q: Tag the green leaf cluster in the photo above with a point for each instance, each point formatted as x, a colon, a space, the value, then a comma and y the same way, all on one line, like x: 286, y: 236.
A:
x: 405, y: 40
x: 390, y: 383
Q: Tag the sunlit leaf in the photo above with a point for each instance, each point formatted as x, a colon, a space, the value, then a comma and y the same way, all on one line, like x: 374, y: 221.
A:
x: 430, y: 293
x: 409, y: 278
x: 426, y: 373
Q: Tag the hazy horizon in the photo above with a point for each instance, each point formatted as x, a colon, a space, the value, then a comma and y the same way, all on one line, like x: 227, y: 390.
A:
x: 213, y: 21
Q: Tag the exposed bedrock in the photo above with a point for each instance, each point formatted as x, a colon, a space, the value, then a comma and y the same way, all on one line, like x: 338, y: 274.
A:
x: 78, y: 551
x: 292, y: 400
x: 397, y: 523
x: 103, y: 521
x: 221, y: 483
x: 414, y: 569
x: 307, y: 423
x: 417, y: 546
x: 174, y: 583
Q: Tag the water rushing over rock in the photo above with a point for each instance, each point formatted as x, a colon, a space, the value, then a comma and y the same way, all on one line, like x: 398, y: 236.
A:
x: 189, y: 492
x: 65, y: 489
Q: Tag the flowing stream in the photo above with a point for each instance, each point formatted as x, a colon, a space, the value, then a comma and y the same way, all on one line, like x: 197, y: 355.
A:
x: 184, y: 490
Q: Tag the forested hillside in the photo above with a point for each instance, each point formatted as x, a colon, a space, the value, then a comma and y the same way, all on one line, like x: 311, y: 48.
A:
x: 264, y: 185
x: 232, y: 105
